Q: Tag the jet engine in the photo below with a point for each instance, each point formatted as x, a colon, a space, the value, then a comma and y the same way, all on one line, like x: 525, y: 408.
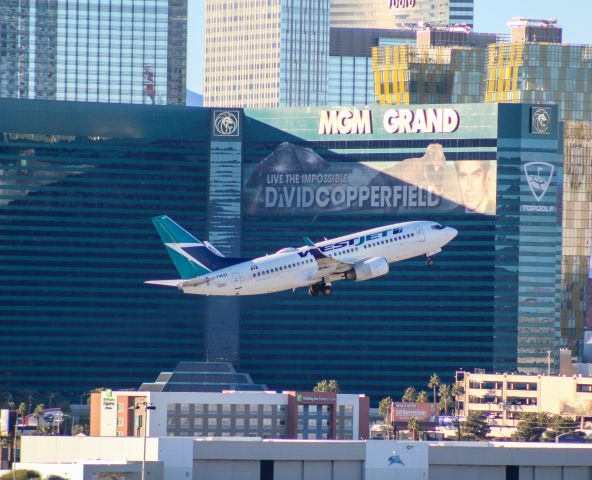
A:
x: 371, y: 268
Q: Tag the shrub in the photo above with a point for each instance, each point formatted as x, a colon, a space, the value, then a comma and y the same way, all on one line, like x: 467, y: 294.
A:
x: 22, y: 475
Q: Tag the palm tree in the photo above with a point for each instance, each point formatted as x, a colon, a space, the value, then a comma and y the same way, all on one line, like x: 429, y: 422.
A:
x: 457, y: 391
x: 409, y: 395
x: 433, y: 383
x: 38, y: 412
x: 445, y: 397
x: 413, y: 426
x: 384, y: 409
x: 422, y: 397
x: 327, y: 386
x: 22, y: 409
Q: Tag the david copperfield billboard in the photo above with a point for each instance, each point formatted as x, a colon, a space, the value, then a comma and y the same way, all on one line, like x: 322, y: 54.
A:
x: 295, y: 180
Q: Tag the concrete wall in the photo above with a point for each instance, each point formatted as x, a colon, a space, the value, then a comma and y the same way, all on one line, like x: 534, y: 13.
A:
x: 241, y: 458
x: 488, y: 461
x: 175, y: 453
x: 292, y: 459
x: 282, y: 469
x: 92, y: 471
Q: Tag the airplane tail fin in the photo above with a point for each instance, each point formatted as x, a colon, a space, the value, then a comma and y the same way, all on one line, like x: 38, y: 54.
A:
x: 191, y: 257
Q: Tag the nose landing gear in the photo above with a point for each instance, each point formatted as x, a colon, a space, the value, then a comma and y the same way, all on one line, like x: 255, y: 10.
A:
x: 429, y: 261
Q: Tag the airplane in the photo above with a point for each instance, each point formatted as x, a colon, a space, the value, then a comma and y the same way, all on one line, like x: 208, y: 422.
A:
x: 359, y: 256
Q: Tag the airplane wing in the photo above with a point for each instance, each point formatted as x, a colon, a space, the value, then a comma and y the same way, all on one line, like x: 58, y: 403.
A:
x: 327, y: 265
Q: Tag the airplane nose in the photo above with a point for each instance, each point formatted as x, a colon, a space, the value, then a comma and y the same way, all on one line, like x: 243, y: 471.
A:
x: 451, y: 233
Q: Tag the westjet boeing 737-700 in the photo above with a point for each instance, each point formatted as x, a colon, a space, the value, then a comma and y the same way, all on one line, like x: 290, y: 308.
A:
x: 359, y: 256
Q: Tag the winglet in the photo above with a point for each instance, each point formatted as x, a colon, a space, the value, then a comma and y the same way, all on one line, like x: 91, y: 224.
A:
x: 308, y: 242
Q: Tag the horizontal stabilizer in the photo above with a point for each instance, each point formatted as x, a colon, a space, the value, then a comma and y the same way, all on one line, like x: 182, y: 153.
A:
x: 166, y: 283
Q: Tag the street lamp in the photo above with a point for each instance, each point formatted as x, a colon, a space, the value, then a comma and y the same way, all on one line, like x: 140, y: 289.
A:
x: 14, y: 445
x: 147, y: 406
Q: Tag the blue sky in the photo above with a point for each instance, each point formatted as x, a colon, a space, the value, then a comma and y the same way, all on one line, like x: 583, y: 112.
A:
x: 195, y: 29
x: 490, y: 16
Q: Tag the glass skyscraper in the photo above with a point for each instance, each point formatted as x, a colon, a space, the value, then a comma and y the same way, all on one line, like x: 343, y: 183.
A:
x: 425, y: 74
x: 113, y: 51
x: 389, y: 14
x: 266, y: 53
x: 577, y: 233
x: 423, y: 65
x: 533, y: 67
x: 522, y: 72
x: 79, y: 183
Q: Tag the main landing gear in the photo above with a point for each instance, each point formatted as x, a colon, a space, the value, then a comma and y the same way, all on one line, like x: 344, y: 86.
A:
x: 324, y: 288
x: 429, y: 261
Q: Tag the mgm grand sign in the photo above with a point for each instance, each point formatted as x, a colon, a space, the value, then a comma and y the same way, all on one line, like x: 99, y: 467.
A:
x: 403, y: 120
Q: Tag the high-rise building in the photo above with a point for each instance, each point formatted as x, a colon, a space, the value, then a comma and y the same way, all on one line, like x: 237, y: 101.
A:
x: 266, y: 53
x: 111, y: 51
x: 390, y: 14
x: 456, y: 63
x: 443, y: 66
x: 577, y: 233
x: 536, y: 67
x: 79, y: 183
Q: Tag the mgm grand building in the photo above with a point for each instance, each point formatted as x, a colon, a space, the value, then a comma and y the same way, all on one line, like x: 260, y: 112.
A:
x: 80, y: 182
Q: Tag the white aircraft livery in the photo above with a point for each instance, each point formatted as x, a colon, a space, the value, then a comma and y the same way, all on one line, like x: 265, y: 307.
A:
x: 359, y: 256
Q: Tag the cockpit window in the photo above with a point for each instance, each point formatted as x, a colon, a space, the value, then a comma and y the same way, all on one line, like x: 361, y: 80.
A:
x: 437, y: 226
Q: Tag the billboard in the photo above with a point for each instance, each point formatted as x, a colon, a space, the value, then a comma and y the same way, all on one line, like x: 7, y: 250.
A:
x: 402, y: 412
x: 577, y: 408
x: 295, y: 180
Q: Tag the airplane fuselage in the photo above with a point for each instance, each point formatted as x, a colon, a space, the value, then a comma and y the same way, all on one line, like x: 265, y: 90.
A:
x: 292, y: 268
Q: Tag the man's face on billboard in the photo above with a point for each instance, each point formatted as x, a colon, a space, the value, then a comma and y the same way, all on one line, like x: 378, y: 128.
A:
x: 472, y: 178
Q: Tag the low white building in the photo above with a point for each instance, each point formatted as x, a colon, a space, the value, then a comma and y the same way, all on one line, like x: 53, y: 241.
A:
x: 504, y: 397
x: 296, y: 415
x: 256, y: 459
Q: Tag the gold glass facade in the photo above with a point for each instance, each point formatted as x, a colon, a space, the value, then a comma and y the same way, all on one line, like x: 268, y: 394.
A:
x: 577, y: 231
x: 528, y: 72
x: 406, y: 74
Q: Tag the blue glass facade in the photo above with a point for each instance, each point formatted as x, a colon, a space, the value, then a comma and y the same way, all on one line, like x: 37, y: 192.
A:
x: 79, y: 184
x: 304, y: 52
x: 350, y: 81
x: 94, y: 51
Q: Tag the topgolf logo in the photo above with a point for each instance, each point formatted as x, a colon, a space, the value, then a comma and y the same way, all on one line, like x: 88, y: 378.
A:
x: 539, y: 176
